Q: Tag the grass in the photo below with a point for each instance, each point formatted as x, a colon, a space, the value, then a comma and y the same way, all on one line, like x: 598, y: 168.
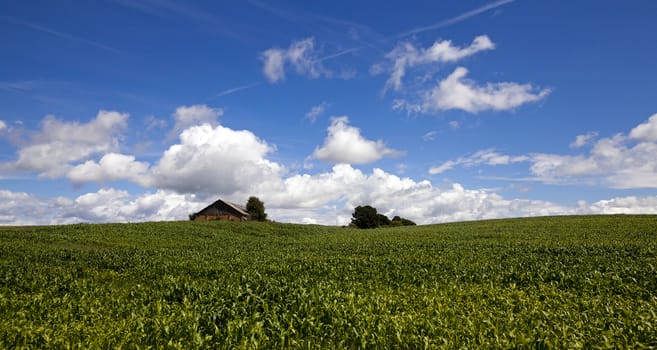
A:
x: 551, y: 282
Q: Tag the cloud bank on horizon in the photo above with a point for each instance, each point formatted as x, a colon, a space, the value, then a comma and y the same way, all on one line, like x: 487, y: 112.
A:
x: 455, y: 120
x: 187, y: 175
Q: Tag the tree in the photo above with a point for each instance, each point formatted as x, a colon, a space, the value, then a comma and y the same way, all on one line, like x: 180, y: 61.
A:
x: 399, y: 221
x: 365, y: 217
x: 256, y: 209
x: 382, y: 220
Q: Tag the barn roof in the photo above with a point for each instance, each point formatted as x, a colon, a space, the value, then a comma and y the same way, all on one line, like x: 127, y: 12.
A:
x: 238, y: 208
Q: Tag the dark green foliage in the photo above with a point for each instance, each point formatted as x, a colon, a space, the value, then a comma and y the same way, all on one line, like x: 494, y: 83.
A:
x: 382, y: 220
x: 398, y: 221
x: 256, y: 209
x: 547, y: 283
x: 365, y: 217
x: 368, y: 217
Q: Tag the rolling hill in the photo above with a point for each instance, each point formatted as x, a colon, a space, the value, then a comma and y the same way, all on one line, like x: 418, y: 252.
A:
x: 548, y: 282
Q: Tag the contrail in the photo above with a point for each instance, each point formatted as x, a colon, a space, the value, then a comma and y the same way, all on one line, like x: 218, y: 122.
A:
x: 442, y: 24
x: 60, y: 34
x: 236, y: 89
x: 454, y: 20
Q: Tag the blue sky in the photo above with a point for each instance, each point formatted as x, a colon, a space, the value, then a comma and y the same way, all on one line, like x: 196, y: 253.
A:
x: 437, y: 111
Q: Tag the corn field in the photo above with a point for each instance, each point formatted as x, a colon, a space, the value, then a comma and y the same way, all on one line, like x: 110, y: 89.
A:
x: 547, y: 283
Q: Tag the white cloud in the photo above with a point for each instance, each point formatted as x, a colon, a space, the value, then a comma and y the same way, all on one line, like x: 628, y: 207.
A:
x: 443, y: 167
x: 274, y: 64
x: 316, y: 111
x: 154, y: 123
x: 377, y: 68
x: 111, y: 205
x: 59, y: 143
x: 330, y: 197
x: 111, y: 167
x: 487, y: 156
x: 552, y: 166
x: 105, y: 205
x: 617, y: 161
x: 339, y: 190
x: 624, y: 205
x: 300, y: 55
x: 214, y: 160
x: 11, y: 204
x: 430, y: 136
x: 186, y: 116
x: 400, y: 104
x: 584, y: 139
x: 218, y: 161
x: 455, y: 92
x: 621, y: 161
x: 345, y: 144
x: 405, y: 55
x: 3, y: 125
x: 646, y: 131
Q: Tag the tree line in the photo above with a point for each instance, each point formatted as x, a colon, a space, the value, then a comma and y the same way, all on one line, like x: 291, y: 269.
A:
x: 367, y: 217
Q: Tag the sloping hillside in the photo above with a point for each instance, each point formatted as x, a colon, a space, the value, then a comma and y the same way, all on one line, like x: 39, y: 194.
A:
x: 558, y: 282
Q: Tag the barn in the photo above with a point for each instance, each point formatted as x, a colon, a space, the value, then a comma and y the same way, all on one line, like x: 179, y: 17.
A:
x: 222, y: 210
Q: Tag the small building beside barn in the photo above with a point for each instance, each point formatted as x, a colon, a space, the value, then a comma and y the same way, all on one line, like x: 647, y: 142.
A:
x: 222, y: 210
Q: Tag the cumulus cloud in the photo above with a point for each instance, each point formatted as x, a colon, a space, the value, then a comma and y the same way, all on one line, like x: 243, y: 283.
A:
x: 406, y: 55
x: 345, y: 144
x: 615, y: 161
x: 331, y: 196
x: 11, y: 204
x: 210, y: 161
x: 111, y: 167
x: 111, y: 205
x: 216, y: 159
x: 3, y: 126
x: 623, y: 205
x: 105, y: 205
x: 456, y: 92
x: 622, y: 161
x: 300, y: 55
x: 316, y: 111
x: 51, y: 150
x: 325, y: 198
x: 646, y: 131
x: 186, y: 116
x: 487, y: 156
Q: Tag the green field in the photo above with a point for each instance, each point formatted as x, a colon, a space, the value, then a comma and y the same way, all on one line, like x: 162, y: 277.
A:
x: 553, y: 282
